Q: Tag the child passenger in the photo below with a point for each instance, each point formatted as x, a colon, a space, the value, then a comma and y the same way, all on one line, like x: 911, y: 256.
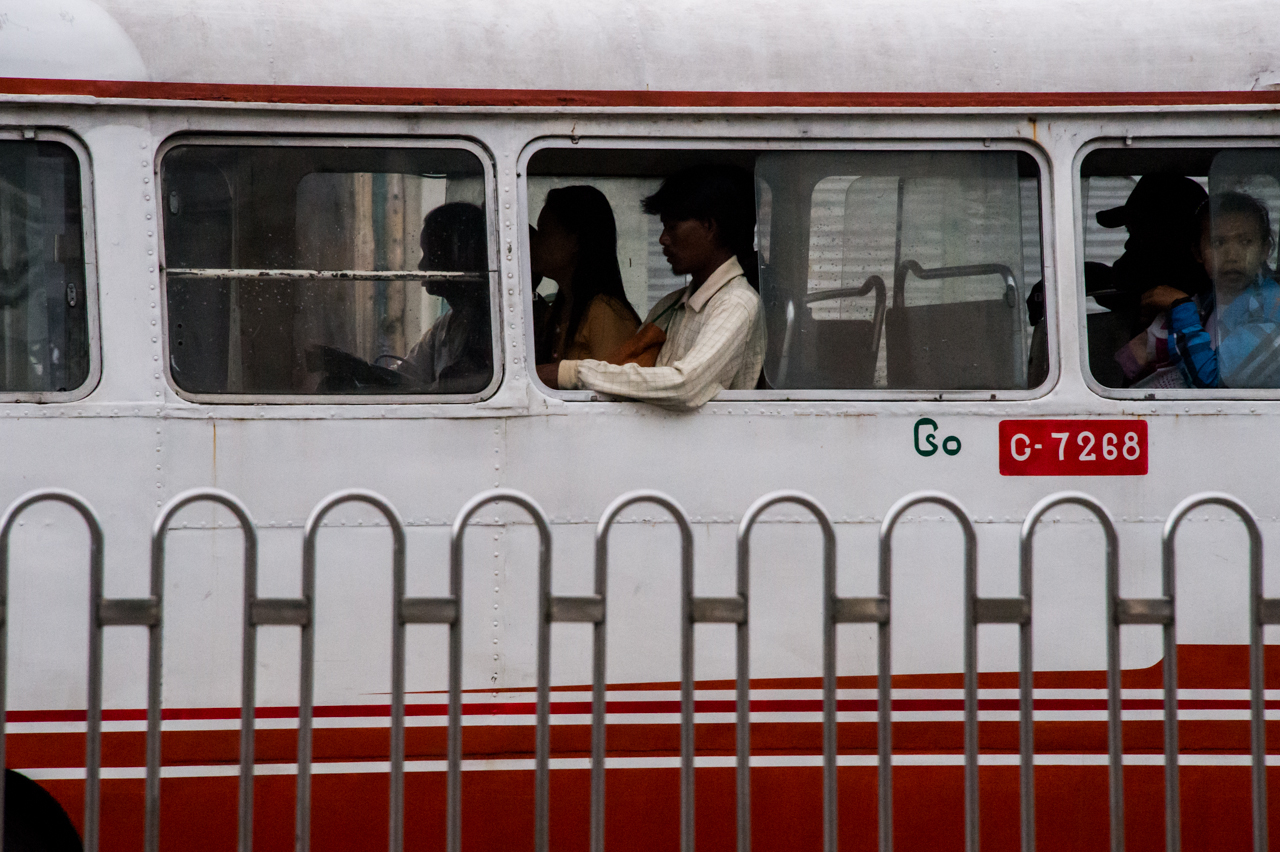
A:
x: 1238, y: 344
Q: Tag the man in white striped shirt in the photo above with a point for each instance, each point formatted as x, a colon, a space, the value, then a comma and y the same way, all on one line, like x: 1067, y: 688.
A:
x: 714, y: 326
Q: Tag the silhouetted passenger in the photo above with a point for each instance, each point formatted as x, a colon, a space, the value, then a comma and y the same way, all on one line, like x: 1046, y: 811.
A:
x: 1160, y: 215
x: 456, y: 353
x: 576, y: 245
x: 712, y: 331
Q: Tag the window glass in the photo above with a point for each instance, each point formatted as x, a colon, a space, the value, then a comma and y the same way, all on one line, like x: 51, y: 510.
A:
x: 1180, y: 259
x: 313, y: 270
x: 877, y: 270
x: 900, y: 271
x: 44, y: 317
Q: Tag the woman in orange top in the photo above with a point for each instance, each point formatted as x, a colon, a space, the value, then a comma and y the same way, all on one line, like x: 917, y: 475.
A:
x: 576, y: 245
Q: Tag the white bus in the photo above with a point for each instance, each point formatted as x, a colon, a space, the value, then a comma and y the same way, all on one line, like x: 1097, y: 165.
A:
x: 209, y: 268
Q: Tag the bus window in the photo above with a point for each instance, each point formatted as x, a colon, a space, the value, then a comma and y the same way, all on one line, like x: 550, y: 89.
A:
x: 298, y: 271
x: 902, y: 270
x: 1180, y: 253
x: 44, y: 314
x: 877, y: 270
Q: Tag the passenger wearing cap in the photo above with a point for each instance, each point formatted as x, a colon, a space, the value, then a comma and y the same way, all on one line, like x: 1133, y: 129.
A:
x: 1160, y: 215
x: 1239, y: 345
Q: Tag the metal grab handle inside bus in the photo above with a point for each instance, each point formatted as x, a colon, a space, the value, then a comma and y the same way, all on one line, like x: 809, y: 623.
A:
x: 874, y: 282
x: 971, y: 271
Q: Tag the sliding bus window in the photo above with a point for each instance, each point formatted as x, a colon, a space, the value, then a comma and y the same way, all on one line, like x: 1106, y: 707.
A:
x: 309, y: 270
x: 44, y: 303
x: 877, y: 270
x: 1180, y: 257
x: 902, y: 270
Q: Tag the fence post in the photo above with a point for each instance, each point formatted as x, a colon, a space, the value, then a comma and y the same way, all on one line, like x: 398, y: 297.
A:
x: 594, y: 610
x: 93, y: 743
x: 971, y: 607
x: 159, y: 531
x: 453, y: 840
x: 830, y: 800
x: 302, y: 614
x: 1262, y: 612
x: 1026, y: 673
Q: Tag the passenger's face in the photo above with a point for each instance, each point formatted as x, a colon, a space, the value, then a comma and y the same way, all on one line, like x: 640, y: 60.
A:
x: 1234, y: 250
x: 554, y: 249
x: 452, y: 291
x: 689, y: 245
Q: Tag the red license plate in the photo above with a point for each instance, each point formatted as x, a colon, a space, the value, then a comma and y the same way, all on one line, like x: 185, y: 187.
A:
x: 1073, y: 447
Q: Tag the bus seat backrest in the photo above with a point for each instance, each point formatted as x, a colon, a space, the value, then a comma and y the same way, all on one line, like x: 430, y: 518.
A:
x: 836, y: 353
x: 952, y: 346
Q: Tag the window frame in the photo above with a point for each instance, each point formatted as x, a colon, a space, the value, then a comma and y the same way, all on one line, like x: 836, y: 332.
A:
x: 88, y: 235
x: 1132, y: 143
x: 472, y: 146
x: 787, y: 144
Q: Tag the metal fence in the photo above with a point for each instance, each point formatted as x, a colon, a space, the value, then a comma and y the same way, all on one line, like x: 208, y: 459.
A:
x: 300, y: 612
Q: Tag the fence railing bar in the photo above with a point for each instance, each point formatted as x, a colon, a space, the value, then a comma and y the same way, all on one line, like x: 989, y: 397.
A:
x: 884, y: 675
x: 599, y: 657
x: 1001, y: 610
x: 93, y: 738
x: 1268, y: 610
x: 288, y: 612
x: 830, y: 790
x: 129, y: 612
x: 542, y: 735
x: 580, y: 610
x: 860, y: 610
x: 1157, y: 611
x: 306, y: 702
x: 592, y: 609
x: 429, y: 610
x: 1026, y: 668
x: 719, y: 610
x: 1257, y: 720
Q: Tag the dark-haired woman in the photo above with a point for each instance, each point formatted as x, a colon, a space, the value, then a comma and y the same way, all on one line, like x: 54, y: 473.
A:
x: 576, y: 245
x: 714, y: 333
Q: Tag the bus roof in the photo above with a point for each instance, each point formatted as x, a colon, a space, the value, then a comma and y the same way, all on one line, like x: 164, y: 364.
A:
x: 575, y: 51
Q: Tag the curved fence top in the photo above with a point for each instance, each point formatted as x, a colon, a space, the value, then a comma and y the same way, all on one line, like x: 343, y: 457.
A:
x: 222, y: 498
x: 49, y: 495
x: 352, y: 495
